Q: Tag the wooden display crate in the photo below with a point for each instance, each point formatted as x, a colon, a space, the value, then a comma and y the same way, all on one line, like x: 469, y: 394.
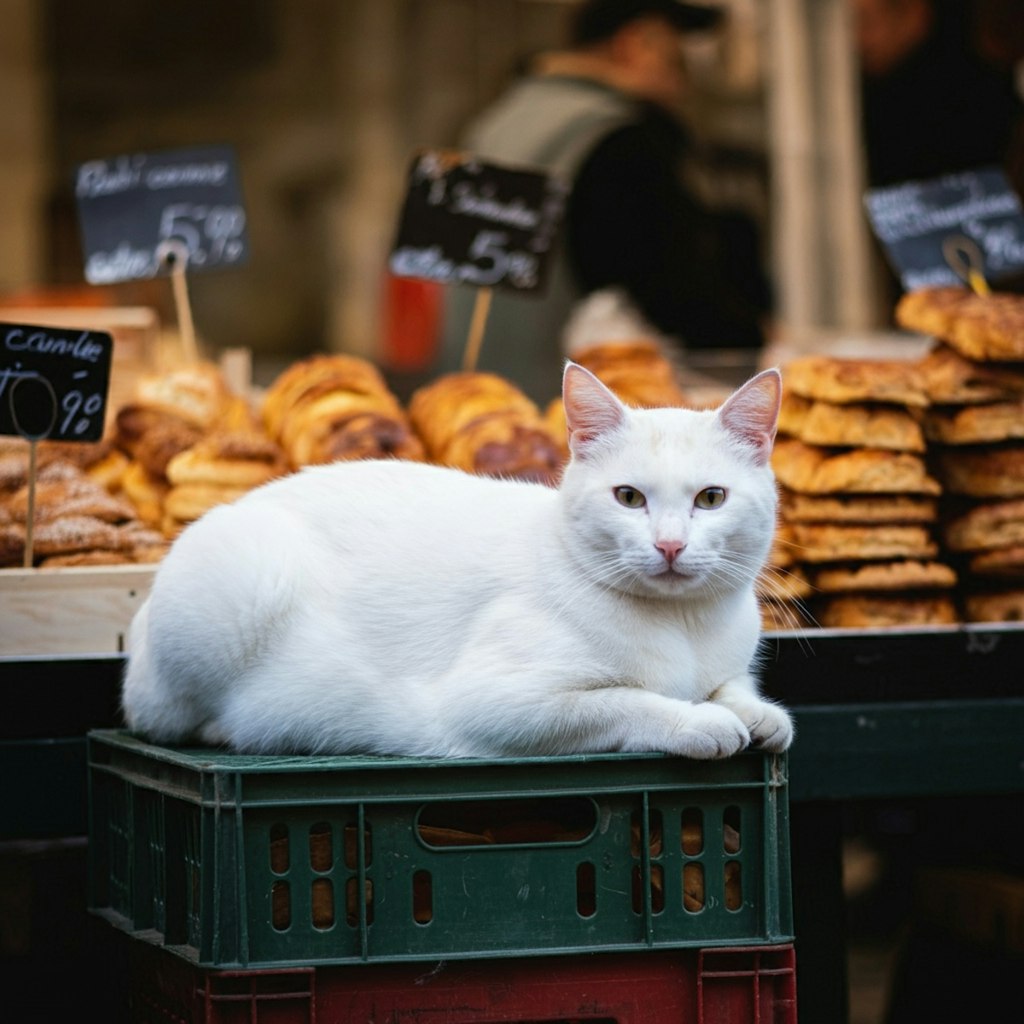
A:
x: 70, y: 611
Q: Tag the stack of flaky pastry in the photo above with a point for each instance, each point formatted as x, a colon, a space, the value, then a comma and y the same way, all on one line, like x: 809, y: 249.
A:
x: 190, y: 444
x: 975, y: 429
x: 858, y: 504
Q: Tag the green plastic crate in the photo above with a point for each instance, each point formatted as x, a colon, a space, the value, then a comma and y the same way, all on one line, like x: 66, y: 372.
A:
x: 257, y: 861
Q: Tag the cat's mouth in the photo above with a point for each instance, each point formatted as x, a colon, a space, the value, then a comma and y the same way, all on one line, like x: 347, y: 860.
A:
x: 672, y: 573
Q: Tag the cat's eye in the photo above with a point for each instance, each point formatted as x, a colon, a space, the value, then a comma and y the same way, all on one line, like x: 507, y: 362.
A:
x: 630, y: 497
x: 710, y: 497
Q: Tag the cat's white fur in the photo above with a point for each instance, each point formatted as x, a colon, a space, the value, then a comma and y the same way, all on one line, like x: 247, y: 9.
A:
x: 400, y: 608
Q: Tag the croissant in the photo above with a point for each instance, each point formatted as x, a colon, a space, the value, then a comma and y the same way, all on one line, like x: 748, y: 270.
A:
x: 638, y: 372
x: 481, y: 423
x: 333, y: 407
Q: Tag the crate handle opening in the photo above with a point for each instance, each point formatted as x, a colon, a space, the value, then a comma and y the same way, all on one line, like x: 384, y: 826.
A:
x: 535, y: 821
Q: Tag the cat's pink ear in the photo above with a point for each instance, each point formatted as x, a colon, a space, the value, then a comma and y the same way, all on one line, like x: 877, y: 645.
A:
x: 591, y: 410
x: 751, y: 415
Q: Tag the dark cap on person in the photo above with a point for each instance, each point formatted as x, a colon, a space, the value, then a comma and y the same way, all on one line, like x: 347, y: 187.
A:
x: 596, y: 20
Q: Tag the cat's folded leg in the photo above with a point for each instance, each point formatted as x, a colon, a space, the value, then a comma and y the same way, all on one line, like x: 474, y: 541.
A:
x: 605, y: 718
x: 770, y: 726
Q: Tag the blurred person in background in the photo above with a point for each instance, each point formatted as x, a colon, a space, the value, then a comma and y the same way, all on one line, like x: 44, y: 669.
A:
x: 932, y: 103
x: 934, y: 100
x: 602, y: 115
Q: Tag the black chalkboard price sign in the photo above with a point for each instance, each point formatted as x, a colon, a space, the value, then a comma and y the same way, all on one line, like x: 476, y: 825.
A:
x: 916, y: 219
x: 53, y: 382
x: 130, y: 208
x: 465, y: 221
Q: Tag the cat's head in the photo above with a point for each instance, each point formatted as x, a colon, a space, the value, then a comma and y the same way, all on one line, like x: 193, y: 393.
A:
x: 670, y: 502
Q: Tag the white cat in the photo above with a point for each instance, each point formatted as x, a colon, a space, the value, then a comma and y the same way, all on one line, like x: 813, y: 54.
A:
x: 388, y: 607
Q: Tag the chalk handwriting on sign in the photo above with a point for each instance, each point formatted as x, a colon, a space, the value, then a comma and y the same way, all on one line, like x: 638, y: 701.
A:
x: 913, y: 220
x: 130, y: 206
x: 468, y: 222
x: 53, y: 382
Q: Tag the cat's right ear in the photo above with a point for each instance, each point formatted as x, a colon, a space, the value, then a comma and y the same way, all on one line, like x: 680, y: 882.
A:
x: 592, y: 412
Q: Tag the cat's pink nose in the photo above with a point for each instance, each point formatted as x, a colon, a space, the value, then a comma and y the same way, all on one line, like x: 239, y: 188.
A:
x: 669, y: 548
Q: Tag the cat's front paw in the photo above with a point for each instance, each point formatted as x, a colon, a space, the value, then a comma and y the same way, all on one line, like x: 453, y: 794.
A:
x: 770, y: 726
x: 709, y: 731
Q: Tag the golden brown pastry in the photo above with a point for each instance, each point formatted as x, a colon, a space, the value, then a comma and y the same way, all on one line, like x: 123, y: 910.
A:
x: 109, y: 471
x: 931, y: 310
x: 12, y: 545
x: 638, y: 372
x: 197, y: 394
x: 950, y: 379
x: 781, y: 555
x: 778, y: 584
x: 989, y: 327
x: 187, y: 502
x: 873, y: 611
x: 996, y: 524
x: 841, y: 381
x: 976, y: 424
x: 785, y: 616
x: 72, y: 534
x: 74, y: 497
x: 983, y: 472
x: 160, y: 444
x: 335, y: 407
x: 1001, y: 562
x: 1001, y: 606
x: 235, y: 460
x: 481, y: 423
x: 857, y: 508
x: 863, y: 425
x: 827, y: 542
x: 813, y: 470
x: 904, y: 574
x: 146, y: 493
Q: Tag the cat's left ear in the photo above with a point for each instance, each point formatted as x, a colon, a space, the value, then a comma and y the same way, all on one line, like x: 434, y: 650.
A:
x: 591, y: 410
x: 751, y: 415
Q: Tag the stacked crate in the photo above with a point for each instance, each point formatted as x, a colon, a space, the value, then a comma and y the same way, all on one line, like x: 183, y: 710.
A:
x: 401, y: 887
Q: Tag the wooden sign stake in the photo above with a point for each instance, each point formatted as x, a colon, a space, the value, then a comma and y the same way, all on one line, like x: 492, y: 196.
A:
x: 477, y: 326
x: 174, y: 255
x: 966, y: 259
x: 30, y: 517
x: 33, y: 439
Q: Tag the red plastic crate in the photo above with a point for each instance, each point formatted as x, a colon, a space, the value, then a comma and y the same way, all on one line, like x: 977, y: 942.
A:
x: 736, y: 985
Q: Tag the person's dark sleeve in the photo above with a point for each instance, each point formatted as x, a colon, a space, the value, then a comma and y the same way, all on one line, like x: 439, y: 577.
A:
x: 631, y: 224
